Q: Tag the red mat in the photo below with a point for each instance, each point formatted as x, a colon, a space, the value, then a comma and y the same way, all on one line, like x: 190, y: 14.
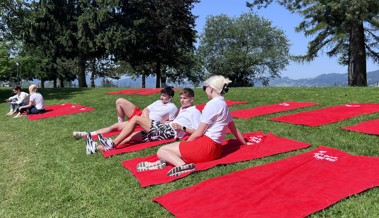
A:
x: 126, y: 91
x: 60, y: 110
x: 294, y: 187
x: 270, y: 109
x: 126, y: 148
x: 368, y: 127
x: 266, y: 145
x: 200, y: 107
x: 328, y: 115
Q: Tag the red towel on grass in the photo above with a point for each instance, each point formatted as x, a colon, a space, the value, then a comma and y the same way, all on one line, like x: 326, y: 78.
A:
x: 328, y: 115
x: 200, y: 107
x: 126, y: 148
x: 294, y: 187
x: 126, y: 91
x: 60, y: 110
x: 265, y: 145
x: 270, y: 109
x: 368, y: 127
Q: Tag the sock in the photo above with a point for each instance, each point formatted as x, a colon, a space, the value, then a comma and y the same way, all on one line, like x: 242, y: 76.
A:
x: 120, y: 119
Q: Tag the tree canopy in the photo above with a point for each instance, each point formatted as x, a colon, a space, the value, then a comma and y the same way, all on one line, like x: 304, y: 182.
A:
x: 245, y: 48
x: 347, y: 29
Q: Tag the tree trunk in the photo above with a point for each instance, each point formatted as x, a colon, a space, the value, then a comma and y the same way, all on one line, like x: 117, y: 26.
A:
x: 61, y: 80
x: 158, y: 75
x: 143, y: 79
x: 42, y: 83
x: 55, y: 83
x: 357, y: 72
x: 82, y: 71
x: 93, y: 72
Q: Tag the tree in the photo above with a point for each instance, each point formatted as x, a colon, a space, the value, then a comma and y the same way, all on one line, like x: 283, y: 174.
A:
x: 155, y: 34
x: 243, y: 48
x: 347, y: 28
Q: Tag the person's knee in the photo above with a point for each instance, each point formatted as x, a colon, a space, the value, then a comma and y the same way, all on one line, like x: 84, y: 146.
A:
x: 161, y: 152
x: 119, y: 101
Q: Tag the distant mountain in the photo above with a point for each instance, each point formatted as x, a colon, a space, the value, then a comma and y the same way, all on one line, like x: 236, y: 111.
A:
x: 331, y: 79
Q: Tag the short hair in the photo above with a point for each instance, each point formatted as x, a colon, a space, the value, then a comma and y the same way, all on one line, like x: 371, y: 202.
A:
x: 18, y: 87
x: 188, y: 92
x: 168, y: 91
x: 218, y: 83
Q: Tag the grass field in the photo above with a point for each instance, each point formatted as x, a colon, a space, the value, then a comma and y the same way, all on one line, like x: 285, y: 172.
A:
x: 45, y: 172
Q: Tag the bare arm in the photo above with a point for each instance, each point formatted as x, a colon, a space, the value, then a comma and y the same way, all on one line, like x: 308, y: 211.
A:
x: 29, y: 105
x: 198, y: 132
x: 145, y: 112
x: 236, y: 132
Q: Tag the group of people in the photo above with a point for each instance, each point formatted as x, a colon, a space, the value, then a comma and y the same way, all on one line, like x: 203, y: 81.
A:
x: 22, y: 103
x: 161, y: 120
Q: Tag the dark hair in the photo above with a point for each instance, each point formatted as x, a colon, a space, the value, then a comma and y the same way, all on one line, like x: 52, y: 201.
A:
x: 168, y: 91
x: 18, y: 87
x: 187, y: 92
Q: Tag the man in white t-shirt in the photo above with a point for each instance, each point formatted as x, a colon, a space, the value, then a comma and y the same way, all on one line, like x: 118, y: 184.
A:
x: 160, y: 110
x: 186, y: 122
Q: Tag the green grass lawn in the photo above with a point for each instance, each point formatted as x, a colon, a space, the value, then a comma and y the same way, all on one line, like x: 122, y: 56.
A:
x: 45, y: 172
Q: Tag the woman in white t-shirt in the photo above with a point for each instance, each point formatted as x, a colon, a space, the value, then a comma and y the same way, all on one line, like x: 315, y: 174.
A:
x: 36, y: 103
x: 205, y: 144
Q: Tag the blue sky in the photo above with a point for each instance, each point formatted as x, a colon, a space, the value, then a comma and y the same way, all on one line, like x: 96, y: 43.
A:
x: 287, y: 22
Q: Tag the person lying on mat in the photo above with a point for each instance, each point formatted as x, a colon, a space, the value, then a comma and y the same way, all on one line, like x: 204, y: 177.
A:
x: 36, y: 103
x: 160, y: 110
x: 186, y: 122
x: 19, y: 99
x: 205, y: 143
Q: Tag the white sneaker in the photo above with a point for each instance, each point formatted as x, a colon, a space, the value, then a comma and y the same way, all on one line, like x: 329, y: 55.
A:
x: 90, y: 145
x: 79, y: 135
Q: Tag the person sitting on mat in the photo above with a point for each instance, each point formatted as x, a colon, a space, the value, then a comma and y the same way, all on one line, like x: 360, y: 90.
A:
x: 186, y: 122
x: 160, y: 110
x: 36, y: 103
x: 205, y: 144
x: 19, y: 99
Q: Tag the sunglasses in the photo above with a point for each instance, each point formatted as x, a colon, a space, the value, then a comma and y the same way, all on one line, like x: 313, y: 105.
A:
x: 204, y: 88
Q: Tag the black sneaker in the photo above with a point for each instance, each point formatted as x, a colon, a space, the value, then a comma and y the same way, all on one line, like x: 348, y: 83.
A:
x: 90, y: 144
x: 144, y: 166
x: 107, y: 143
x: 179, y: 170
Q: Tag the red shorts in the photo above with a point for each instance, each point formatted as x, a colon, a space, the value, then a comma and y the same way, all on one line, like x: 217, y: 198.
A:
x: 136, y: 112
x: 202, y: 149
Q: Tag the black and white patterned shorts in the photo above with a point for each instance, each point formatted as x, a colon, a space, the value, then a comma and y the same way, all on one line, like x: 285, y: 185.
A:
x: 158, y: 131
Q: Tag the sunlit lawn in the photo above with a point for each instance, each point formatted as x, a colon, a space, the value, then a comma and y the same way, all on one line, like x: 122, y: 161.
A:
x: 45, y: 172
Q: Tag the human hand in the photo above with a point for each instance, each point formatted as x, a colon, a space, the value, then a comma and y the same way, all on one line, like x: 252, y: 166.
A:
x: 176, y: 126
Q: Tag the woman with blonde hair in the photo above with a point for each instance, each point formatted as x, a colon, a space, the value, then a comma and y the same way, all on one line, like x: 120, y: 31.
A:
x: 36, y: 103
x: 205, y: 144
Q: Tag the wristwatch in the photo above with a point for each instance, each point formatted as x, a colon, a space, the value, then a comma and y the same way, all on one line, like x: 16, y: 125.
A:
x: 184, y: 128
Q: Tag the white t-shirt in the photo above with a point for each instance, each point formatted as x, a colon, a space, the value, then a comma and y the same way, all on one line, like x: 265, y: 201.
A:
x: 217, y: 115
x: 162, y: 112
x: 37, y: 100
x: 23, y: 97
x: 188, y: 117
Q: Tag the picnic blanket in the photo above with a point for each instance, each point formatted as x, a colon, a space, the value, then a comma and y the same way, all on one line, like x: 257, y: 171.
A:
x: 368, y: 127
x: 60, y: 110
x: 126, y: 91
x: 264, y: 145
x: 328, y: 115
x: 200, y: 107
x: 294, y: 187
x: 126, y: 148
x: 270, y: 109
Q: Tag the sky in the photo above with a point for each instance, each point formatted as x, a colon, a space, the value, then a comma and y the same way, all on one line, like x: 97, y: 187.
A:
x: 284, y: 20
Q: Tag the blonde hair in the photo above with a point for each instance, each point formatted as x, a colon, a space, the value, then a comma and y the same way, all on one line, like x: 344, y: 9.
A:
x: 218, y: 83
x: 33, y: 88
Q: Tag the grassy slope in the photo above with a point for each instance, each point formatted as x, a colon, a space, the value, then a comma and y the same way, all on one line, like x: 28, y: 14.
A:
x: 46, y: 173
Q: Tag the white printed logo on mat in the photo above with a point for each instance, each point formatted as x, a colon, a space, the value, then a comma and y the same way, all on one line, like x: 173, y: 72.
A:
x: 321, y: 155
x: 255, y: 139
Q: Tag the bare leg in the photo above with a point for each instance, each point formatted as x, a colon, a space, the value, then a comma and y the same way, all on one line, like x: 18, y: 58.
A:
x: 114, y: 127
x: 144, y: 122
x: 124, y: 108
x: 171, y: 154
x: 135, y: 137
